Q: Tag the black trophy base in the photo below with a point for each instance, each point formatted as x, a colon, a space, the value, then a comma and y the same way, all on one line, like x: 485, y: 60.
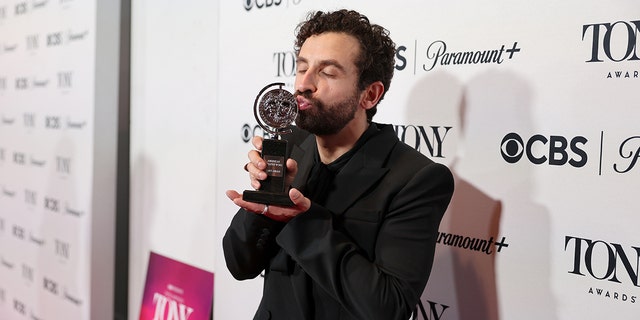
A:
x: 265, y: 197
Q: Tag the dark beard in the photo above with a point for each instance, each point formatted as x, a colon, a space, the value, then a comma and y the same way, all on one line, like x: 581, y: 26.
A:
x: 324, y: 120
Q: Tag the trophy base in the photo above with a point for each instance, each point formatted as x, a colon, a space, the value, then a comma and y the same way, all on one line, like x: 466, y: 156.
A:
x: 265, y: 197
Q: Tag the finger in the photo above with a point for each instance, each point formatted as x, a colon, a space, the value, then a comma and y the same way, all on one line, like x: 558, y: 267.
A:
x: 256, y: 160
x: 257, y: 142
x: 249, y: 206
x: 292, y: 167
x: 232, y: 194
x: 299, y: 200
x: 255, y: 183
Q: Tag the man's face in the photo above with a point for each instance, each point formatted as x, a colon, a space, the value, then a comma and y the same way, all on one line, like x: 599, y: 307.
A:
x: 326, y: 83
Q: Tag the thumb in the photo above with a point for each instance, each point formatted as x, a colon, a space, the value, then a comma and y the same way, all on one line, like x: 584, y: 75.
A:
x: 299, y: 199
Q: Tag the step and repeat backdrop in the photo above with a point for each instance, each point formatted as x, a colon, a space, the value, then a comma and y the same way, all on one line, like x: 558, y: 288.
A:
x: 533, y: 105
x: 55, y: 263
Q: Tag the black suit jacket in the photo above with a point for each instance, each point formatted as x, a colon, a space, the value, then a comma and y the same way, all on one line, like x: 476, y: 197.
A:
x: 366, y: 254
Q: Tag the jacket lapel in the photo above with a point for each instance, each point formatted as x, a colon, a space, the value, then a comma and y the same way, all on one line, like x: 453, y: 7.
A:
x: 362, y: 171
x: 358, y: 175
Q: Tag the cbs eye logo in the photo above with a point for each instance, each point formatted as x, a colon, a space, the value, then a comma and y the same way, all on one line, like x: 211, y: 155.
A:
x: 248, y: 4
x: 260, y: 4
x: 554, y: 150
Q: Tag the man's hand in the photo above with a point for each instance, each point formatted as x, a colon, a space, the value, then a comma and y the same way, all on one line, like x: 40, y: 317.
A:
x: 278, y: 213
x: 256, y: 167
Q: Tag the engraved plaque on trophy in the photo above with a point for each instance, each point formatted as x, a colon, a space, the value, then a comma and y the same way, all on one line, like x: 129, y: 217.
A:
x: 274, y: 109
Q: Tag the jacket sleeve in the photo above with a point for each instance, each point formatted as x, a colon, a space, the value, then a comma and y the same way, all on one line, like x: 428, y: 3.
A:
x: 389, y: 287
x: 249, y: 244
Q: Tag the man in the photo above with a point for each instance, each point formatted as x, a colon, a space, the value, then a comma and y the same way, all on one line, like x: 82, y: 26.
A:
x: 359, y: 241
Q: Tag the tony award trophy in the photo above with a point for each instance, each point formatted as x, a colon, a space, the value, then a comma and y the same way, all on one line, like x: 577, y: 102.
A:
x: 274, y: 110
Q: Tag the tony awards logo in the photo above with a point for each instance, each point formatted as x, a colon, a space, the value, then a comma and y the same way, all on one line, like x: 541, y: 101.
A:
x: 274, y: 110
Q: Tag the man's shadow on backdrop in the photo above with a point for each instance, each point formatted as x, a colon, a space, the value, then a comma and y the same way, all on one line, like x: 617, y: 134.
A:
x: 463, y: 283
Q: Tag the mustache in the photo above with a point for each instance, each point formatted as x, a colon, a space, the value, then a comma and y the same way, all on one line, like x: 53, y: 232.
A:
x: 307, y: 95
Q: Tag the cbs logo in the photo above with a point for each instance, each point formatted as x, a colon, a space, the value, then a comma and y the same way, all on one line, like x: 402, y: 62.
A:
x: 539, y: 149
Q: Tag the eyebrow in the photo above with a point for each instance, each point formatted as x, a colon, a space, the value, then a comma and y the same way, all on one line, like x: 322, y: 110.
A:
x: 326, y: 62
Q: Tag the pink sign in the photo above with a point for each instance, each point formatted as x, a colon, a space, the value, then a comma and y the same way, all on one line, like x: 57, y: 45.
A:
x: 176, y: 291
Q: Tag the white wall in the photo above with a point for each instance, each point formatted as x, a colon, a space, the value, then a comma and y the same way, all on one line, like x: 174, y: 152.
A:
x: 174, y: 132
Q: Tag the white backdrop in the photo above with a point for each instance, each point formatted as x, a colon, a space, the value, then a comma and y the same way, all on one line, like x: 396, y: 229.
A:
x: 540, y: 138
x: 58, y: 111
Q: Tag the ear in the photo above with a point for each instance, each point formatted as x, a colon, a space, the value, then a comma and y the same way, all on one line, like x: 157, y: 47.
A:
x: 371, y: 95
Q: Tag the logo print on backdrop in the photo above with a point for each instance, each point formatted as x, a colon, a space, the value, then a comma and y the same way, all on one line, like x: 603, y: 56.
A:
x: 37, y: 5
x: 559, y: 151
x: 37, y: 241
x: 10, y: 48
x: 604, y: 261
x: 7, y: 264
x: 77, y: 36
x: 50, y: 286
x: 27, y: 273
x: 427, y: 140
x: 62, y: 249
x: 33, y: 41
x: 613, y: 42
x: 435, y: 53
x: 262, y: 4
x: 54, y: 39
x: 73, y: 212
x: 37, y: 163
x: 285, y: 63
x: 21, y: 8
x: 63, y: 165
x: 29, y: 120
x: 433, y: 313
x: 539, y: 150
x: 30, y: 197
x: 7, y: 121
x: 22, y: 83
x: 629, y: 149
x: 8, y: 193
x: 64, y: 79
x: 40, y: 83
x: 248, y: 132
x: 52, y: 204
x: 19, y: 158
x: 72, y: 299
x: 472, y: 244
x: 3, y: 84
x: 18, y: 232
x: 3, y: 13
x: 19, y: 307
x: 52, y: 122
x: 76, y: 125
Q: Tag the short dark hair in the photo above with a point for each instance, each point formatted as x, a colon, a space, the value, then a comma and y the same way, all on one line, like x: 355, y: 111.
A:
x: 376, y: 61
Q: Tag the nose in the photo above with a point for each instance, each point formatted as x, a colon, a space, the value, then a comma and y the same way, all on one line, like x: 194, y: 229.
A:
x: 306, y: 81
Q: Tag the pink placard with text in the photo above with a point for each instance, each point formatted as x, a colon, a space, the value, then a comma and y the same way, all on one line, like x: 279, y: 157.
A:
x: 176, y: 291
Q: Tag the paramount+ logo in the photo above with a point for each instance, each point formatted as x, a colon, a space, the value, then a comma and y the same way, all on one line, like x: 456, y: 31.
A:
x: 540, y: 149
